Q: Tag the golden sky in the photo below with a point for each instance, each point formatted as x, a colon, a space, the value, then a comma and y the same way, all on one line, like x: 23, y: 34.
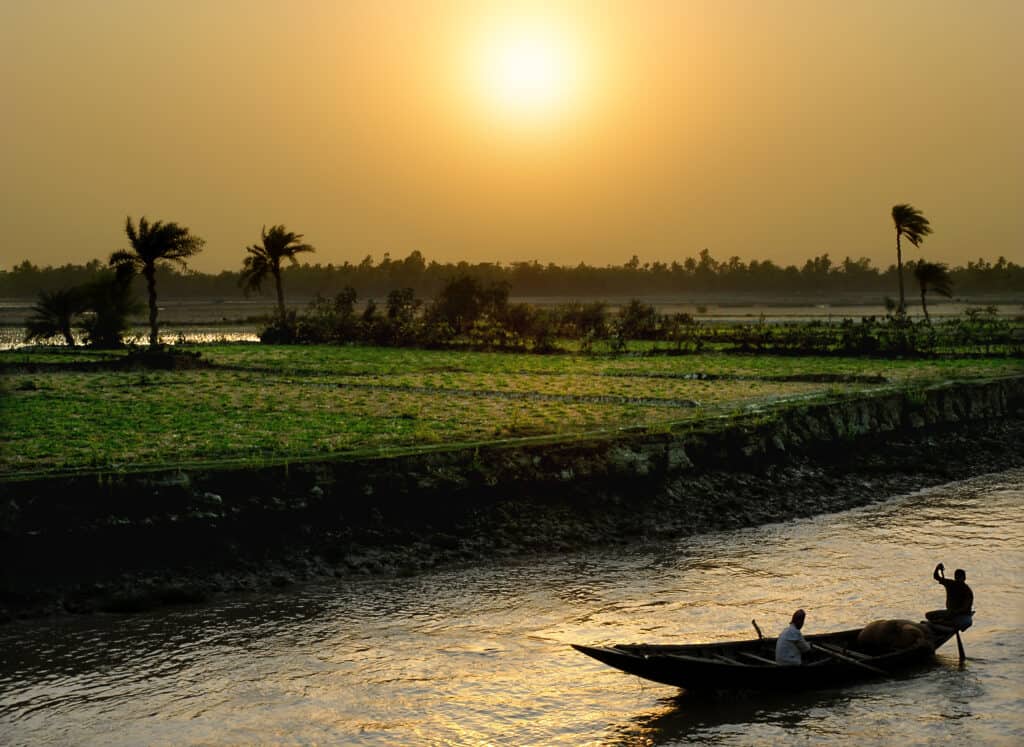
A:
x: 558, y: 131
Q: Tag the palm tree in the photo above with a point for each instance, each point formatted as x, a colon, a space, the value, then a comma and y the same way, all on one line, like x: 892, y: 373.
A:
x: 151, y: 244
x: 278, y: 243
x: 933, y: 276
x: 53, y: 313
x: 909, y: 222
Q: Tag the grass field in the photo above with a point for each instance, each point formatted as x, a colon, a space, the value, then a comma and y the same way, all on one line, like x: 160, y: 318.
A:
x: 263, y: 403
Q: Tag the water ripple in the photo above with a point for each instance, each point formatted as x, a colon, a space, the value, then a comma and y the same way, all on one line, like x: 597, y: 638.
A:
x: 479, y: 654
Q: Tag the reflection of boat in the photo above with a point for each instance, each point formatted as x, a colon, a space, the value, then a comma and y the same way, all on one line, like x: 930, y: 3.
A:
x: 750, y: 665
x: 693, y: 717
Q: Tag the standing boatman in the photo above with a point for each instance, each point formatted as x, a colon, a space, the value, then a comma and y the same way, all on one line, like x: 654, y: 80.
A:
x: 959, y: 600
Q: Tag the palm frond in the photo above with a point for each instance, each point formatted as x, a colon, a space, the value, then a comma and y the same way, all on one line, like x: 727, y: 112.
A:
x: 934, y: 276
x: 911, y: 223
x: 298, y: 249
x: 158, y: 241
x: 255, y: 268
x: 125, y: 261
x: 129, y: 229
x: 53, y: 313
x: 280, y: 243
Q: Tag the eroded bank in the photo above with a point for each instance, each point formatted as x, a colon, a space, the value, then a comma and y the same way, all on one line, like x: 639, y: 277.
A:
x: 127, y: 541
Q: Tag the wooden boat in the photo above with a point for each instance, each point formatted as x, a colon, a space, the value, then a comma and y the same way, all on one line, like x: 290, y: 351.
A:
x: 834, y: 659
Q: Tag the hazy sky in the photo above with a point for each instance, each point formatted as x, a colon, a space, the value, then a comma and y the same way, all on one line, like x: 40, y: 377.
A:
x: 563, y: 132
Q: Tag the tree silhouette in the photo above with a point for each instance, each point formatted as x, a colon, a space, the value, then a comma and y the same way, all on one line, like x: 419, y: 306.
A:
x: 909, y: 222
x: 152, y: 244
x: 265, y: 258
x: 464, y: 299
x: 53, y: 313
x: 933, y: 276
x: 109, y: 299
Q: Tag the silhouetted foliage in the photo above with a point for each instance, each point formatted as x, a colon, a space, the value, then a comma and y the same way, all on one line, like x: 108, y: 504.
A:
x: 345, y: 301
x: 464, y: 300
x: 932, y: 276
x: 402, y: 304
x: 818, y: 277
x: 153, y: 245
x: 638, y: 321
x: 910, y: 223
x: 502, y: 326
x: 108, y: 302
x: 54, y: 313
x: 265, y: 258
x: 283, y: 330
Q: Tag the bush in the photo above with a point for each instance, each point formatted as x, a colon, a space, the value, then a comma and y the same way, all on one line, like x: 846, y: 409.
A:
x: 109, y: 302
x: 282, y: 330
x: 463, y: 300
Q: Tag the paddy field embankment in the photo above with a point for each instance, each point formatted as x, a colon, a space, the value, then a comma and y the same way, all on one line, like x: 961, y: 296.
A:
x: 255, y: 467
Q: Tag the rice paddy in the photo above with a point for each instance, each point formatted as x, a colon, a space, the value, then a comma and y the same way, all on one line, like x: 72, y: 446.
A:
x: 263, y: 403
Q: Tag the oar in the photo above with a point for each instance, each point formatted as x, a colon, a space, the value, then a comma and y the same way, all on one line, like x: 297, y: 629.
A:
x: 760, y: 635
x: 960, y: 647
x: 849, y: 659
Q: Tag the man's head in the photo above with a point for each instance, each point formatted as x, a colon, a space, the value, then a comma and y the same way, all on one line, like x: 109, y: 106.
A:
x: 798, y: 619
x: 960, y: 574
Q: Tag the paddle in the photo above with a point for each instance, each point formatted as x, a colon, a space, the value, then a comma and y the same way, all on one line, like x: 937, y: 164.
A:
x: 760, y: 635
x: 960, y: 647
x: 829, y: 651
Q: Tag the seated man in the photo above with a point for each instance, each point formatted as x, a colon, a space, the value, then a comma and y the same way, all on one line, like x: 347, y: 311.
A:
x: 791, y: 643
x: 959, y: 600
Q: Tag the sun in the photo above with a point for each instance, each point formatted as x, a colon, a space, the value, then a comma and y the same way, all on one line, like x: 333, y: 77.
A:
x: 527, y: 71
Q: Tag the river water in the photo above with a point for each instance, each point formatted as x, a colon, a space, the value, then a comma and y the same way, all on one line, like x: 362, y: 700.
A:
x: 480, y: 655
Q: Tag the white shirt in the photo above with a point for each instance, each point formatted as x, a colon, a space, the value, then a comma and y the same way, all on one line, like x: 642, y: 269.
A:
x: 791, y: 642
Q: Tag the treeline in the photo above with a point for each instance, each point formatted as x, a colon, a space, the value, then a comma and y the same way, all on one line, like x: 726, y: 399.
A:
x: 701, y: 274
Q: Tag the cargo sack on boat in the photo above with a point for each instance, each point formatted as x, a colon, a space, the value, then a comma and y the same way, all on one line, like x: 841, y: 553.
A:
x: 881, y: 636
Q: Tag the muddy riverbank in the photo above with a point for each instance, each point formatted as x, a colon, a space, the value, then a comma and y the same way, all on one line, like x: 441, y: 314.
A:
x: 125, y: 542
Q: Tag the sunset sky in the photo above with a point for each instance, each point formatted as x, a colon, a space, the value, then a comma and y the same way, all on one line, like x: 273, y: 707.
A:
x: 560, y: 132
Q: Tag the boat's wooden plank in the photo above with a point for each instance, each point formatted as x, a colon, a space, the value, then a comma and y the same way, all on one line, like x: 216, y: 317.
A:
x: 727, y: 660
x: 703, y: 659
x: 761, y: 659
x: 848, y: 652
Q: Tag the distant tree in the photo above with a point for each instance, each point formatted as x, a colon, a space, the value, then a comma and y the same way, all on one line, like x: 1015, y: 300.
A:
x: 152, y: 244
x: 909, y: 222
x: 401, y: 305
x: 265, y: 258
x: 345, y: 301
x: 638, y: 320
x: 464, y: 299
x: 53, y: 314
x: 932, y: 276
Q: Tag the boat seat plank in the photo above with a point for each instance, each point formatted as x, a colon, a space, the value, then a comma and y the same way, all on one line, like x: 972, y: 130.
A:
x: 847, y: 651
x: 727, y: 660
x: 761, y: 659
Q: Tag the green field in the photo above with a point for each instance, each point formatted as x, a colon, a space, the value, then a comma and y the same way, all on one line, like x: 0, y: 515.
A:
x: 259, y: 403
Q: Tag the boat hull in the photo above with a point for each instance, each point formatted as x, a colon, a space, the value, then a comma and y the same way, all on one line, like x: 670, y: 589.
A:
x: 749, y: 665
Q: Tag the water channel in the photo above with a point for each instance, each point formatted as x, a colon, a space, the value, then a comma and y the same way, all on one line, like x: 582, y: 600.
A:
x: 480, y: 655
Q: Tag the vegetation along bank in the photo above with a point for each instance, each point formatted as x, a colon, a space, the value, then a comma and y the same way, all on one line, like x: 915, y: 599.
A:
x: 121, y: 541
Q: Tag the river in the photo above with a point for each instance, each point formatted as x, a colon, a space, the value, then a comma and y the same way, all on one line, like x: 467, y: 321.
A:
x: 480, y: 655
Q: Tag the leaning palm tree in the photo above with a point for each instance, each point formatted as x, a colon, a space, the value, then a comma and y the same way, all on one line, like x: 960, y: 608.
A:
x: 265, y: 258
x: 933, y: 276
x: 53, y: 313
x: 909, y: 222
x: 152, y: 244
